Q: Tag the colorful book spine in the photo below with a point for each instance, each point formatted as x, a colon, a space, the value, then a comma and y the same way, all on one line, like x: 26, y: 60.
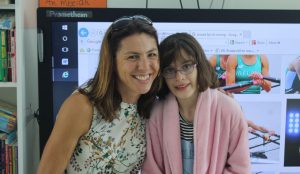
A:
x: 8, y: 108
x: 7, y: 118
x: 7, y: 127
x: 2, y: 55
x: 8, y: 157
x: 7, y: 21
x: 14, y: 162
x: 2, y: 156
x: 10, y: 54
x: 11, y: 138
x: 13, y: 73
x: 7, y: 47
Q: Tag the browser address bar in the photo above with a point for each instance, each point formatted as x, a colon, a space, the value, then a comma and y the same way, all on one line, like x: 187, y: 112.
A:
x: 210, y: 34
x: 213, y: 42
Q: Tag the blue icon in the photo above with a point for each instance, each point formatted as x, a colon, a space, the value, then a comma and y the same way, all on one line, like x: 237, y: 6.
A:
x: 65, y: 74
x: 293, y: 123
x: 83, y: 32
x: 65, y: 61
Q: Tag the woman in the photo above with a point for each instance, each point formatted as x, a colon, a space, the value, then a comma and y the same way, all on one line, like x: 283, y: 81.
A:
x: 243, y: 69
x: 218, y: 62
x: 194, y: 128
x: 101, y: 127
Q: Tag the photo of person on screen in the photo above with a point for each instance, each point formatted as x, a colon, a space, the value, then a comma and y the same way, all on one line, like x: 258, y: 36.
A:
x: 218, y: 62
x: 264, y: 142
x: 100, y: 128
x: 248, y: 70
x: 193, y: 122
x: 292, y: 77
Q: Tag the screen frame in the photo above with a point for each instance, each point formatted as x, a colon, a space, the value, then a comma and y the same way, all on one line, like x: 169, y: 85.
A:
x: 44, y: 24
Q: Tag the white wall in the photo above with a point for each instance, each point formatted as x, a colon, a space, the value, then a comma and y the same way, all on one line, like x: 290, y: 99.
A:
x: 216, y: 4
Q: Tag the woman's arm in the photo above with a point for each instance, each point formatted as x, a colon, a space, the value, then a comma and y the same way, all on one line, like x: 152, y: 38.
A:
x: 213, y: 61
x: 73, y: 120
x: 230, y: 73
x: 230, y: 70
x: 266, y: 85
x: 254, y: 127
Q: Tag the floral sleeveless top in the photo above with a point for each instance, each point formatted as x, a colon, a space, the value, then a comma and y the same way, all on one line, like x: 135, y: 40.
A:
x: 111, y: 147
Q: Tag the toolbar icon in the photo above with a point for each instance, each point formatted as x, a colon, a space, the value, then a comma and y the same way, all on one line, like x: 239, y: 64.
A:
x: 83, y: 32
x: 65, y: 38
x: 64, y: 27
x: 65, y: 61
x: 65, y: 49
x: 65, y: 74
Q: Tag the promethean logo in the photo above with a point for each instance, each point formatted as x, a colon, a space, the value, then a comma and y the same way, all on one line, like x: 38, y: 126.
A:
x: 69, y: 14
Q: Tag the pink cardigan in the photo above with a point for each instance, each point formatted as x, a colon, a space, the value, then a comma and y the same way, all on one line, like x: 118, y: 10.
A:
x: 220, y: 137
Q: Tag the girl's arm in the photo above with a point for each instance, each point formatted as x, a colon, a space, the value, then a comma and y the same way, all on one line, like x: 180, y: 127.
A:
x: 154, y: 155
x: 238, y: 160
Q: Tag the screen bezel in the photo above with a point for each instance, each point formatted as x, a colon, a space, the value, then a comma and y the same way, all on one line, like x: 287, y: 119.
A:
x: 156, y: 15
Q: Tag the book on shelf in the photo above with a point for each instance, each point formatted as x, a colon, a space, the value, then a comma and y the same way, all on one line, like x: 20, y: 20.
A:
x: 3, y: 56
x: 9, y: 138
x: 8, y: 123
x: 7, y: 118
x: 7, y: 127
x: 7, y: 56
x: 4, y: 2
x: 7, y: 2
x: 2, y: 155
x: 7, y: 47
x: 11, y: 56
x: 7, y: 20
x: 9, y: 156
x: 8, y: 108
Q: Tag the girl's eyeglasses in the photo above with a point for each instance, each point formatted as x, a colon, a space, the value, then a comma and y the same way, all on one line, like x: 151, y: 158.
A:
x: 185, y: 69
x: 123, y: 22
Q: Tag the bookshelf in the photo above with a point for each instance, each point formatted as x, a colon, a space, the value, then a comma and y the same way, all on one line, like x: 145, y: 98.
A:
x: 8, y: 84
x: 8, y: 6
x: 21, y: 92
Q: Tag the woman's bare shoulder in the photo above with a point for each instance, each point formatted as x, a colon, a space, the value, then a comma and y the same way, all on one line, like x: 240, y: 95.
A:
x: 78, y: 110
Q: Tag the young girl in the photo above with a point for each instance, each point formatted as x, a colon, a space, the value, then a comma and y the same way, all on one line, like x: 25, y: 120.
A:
x: 194, y: 128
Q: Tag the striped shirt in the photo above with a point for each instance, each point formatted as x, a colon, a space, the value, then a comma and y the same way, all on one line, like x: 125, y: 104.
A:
x: 186, y: 129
